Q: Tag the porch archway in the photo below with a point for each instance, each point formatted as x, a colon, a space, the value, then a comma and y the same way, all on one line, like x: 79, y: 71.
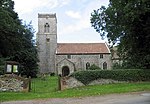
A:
x: 65, y: 71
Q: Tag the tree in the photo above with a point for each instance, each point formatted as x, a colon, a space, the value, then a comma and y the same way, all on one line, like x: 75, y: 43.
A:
x: 128, y: 23
x: 16, y: 43
x: 27, y: 55
x: 9, y: 24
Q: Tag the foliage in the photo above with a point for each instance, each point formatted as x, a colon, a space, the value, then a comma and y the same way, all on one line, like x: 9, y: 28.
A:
x: 116, y: 65
x: 28, y: 60
x: 52, y: 74
x: 9, y: 25
x: 16, y: 43
x: 120, y: 75
x: 2, y: 65
x: 2, y: 69
x: 94, y: 67
x: 128, y: 23
x: 47, y: 90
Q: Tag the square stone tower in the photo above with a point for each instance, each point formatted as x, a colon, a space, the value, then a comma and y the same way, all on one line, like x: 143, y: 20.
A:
x: 47, y: 42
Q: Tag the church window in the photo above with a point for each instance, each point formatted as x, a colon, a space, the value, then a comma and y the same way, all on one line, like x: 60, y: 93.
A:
x: 46, y: 28
x: 69, y: 56
x: 101, y: 55
x: 104, y: 65
x: 47, y: 39
x: 87, y: 65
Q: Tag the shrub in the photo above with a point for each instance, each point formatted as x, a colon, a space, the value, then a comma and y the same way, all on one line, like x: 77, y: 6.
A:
x: 2, y: 69
x: 94, y: 67
x: 120, y: 75
x: 2, y: 66
x: 116, y: 65
x: 52, y: 74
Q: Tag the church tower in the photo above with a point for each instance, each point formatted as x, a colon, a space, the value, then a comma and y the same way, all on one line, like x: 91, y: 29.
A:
x: 47, y: 42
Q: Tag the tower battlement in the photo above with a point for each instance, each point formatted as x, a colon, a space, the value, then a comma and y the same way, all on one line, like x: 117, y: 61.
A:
x: 47, y: 15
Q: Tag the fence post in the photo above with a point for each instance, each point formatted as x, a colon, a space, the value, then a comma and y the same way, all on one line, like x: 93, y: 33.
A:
x: 59, y: 82
x: 29, y: 83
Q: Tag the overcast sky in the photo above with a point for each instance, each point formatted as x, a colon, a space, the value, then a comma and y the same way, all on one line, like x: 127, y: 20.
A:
x: 73, y: 17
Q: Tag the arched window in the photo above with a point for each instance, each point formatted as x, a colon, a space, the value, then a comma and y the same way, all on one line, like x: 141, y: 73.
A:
x: 104, y: 65
x: 46, y: 28
x: 87, y: 65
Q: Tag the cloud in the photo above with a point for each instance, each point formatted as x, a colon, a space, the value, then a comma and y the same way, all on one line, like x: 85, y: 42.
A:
x: 80, y: 24
x: 83, y: 19
x: 26, y: 6
x: 73, y: 14
x: 64, y: 2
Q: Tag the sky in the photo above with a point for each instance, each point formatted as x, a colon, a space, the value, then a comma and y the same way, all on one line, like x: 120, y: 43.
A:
x: 73, y: 17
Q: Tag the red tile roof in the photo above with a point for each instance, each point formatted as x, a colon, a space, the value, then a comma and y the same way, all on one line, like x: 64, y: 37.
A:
x: 82, y: 48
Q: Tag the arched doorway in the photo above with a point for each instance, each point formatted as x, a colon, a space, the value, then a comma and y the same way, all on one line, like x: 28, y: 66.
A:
x: 104, y: 65
x: 65, y: 71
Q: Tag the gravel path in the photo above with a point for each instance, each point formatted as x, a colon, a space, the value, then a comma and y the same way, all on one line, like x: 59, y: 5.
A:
x: 132, y: 98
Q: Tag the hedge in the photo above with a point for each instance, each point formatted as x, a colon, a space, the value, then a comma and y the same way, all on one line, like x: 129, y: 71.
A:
x: 120, y: 75
x: 2, y: 69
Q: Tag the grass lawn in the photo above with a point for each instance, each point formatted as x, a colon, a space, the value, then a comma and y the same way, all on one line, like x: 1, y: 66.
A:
x: 47, y: 88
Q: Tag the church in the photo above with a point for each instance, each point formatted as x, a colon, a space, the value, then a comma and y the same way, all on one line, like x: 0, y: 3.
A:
x: 66, y: 58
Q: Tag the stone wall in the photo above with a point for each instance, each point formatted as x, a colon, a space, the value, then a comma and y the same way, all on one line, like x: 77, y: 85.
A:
x: 70, y: 82
x: 14, y: 83
x: 47, y: 42
x: 80, y: 61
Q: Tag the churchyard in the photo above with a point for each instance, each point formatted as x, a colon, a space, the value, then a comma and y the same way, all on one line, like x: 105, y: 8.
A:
x: 47, y: 86
x: 92, y: 82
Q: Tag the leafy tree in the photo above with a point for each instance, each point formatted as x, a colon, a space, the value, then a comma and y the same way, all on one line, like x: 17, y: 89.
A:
x: 16, y: 43
x: 128, y: 23
x: 2, y: 66
x: 9, y: 24
x: 27, y: 56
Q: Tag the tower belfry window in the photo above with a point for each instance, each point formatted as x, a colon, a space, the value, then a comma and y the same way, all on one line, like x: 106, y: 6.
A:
x: 46, y: 28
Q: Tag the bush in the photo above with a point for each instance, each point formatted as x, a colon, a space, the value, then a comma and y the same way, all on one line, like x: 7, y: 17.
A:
x: 94, y: 67
x: 2, y: 69
x: 116, y: 65
x: 52, y: 74
x: 2, y: 65
x: 120, y: 75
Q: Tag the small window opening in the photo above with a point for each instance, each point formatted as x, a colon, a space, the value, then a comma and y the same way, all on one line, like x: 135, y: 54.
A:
x: 101, y: 55
x: 47, y: 39
x: 69, y: 56
x: 104, y: 65
x: 46, y: 28
x: 87, y: 65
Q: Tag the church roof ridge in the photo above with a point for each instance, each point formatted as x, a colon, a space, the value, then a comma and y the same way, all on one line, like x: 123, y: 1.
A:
x: 82, y: 48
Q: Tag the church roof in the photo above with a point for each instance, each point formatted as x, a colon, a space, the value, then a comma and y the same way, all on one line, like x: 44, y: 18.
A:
x: 82, y: 48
